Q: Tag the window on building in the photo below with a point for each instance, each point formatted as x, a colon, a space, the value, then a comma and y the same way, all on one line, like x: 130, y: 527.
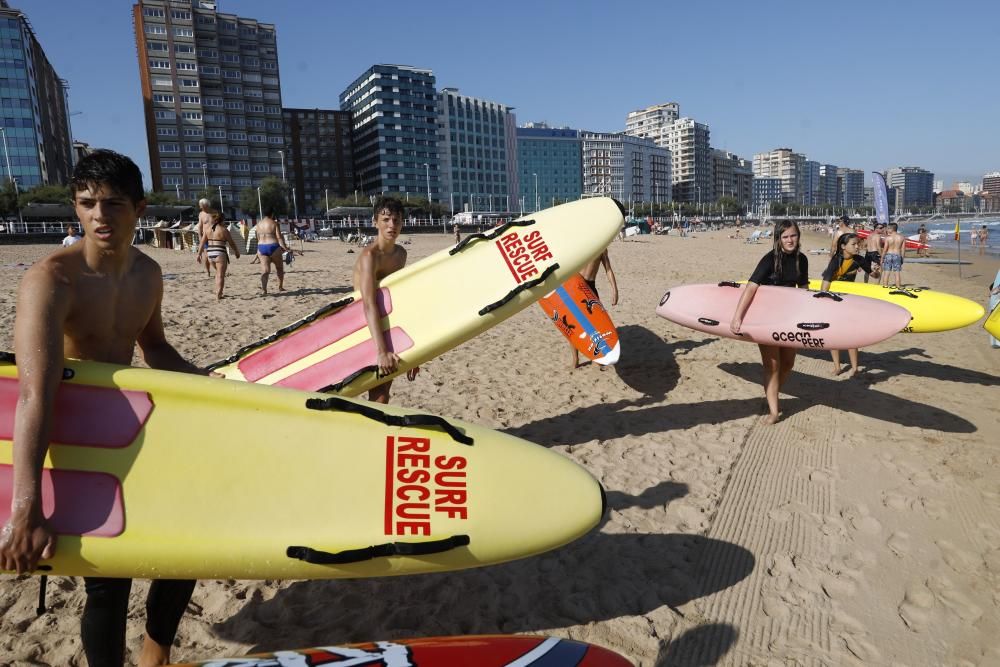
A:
x: 155, y: 29
x: 183, y: 32
x: 189, y: 83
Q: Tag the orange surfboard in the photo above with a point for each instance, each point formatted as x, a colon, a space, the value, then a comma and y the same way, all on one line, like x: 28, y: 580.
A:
x: 580, y: 316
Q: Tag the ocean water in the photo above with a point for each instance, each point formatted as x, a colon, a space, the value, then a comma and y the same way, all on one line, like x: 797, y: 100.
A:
x: 947, y: 228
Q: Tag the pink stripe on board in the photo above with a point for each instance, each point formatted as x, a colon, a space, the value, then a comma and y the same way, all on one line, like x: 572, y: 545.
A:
x: 315, y: 336
x: 84, y: 415
x: 75, y: 502
x: 339, y: 366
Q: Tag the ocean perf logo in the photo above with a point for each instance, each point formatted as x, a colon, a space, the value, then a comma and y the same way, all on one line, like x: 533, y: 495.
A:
x: 806, y: 339
x: 523, y: 255
x: 420, y: 486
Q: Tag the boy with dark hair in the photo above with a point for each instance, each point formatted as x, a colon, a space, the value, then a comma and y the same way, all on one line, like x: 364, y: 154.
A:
x: 378, y: 260
x: 95, y: 301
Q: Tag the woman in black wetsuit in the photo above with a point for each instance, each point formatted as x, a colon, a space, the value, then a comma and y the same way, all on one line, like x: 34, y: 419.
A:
x: 844, y: 265
x: 784, y: 266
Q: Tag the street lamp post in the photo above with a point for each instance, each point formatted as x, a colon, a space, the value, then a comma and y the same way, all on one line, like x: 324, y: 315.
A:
x: 295, y: 203
x: 427, y: 172
x: 222, y: 203
x: 282, y: 154
x: 327, y: 192
x: 177, y: 187
x: 260, y: 206
x: 536, y: 190
x: 204, y: 174
x: 698, y: 189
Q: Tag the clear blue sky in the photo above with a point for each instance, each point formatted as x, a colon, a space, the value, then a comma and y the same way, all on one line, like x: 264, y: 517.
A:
x: 867, y: 85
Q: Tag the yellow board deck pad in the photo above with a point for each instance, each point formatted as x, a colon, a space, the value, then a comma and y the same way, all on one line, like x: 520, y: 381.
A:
x: 434, y: 304
x: 153, y: 474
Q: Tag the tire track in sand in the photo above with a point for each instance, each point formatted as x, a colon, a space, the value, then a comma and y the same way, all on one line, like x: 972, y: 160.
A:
x: 779, y: 503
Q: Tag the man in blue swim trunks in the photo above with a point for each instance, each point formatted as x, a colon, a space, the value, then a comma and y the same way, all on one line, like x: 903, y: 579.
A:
x: 892, y: 260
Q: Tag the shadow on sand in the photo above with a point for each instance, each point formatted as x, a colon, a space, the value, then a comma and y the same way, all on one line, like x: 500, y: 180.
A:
x: 857, y: 398
x: 702, y: 646
x: 598, y: 577
x: 648, y: 363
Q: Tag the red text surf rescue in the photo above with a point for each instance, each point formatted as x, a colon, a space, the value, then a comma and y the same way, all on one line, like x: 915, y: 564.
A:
x: 419, y: 485
x: 521, y: 255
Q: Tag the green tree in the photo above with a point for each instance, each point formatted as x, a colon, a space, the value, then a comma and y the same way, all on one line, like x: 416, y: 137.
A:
x: 273, y: 196
x: 164, y: 199
x: 8, y: 199
x: 45, y: 194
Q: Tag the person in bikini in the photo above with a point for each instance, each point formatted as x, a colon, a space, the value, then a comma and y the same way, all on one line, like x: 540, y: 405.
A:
x: 589, y: 275
x: 205, y: 213
x: 213, y: 245
x: 378, y: 260
x: 93, y: 301
x: 270, y: 246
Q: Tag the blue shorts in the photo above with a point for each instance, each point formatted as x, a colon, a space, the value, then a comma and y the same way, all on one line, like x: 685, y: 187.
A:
x: 892, y: 262
x: 267, y: 249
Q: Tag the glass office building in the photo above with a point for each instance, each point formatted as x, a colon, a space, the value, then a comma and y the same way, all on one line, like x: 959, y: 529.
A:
x: 33, y: 108
x: 549, y: 165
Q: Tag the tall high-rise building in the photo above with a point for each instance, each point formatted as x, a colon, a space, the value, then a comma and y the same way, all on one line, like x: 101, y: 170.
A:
x: 732, y: 177
x: 829, y: 186
x: 914, y: 186
x: 688, y: 141
x: 630, y: 169
x: 550, y: 165
x: 477, y: 143
x: 786, y: 164
x: 212, y: 97
x: 33, y: 108
x: 395, y: 130
x: 319, y: 156
x: 766, y: 189
x: 652, y: 122
x: 991, y: 183
x: 852, y: 187
x: 810, y: 192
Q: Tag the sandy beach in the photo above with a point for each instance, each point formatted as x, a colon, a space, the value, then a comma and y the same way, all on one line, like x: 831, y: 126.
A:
x: 862, y: 529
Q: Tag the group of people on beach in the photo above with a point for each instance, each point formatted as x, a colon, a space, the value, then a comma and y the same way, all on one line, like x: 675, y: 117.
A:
x: 214, y: 238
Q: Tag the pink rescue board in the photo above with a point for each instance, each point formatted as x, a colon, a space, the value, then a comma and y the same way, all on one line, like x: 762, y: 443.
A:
x: 785, y: 316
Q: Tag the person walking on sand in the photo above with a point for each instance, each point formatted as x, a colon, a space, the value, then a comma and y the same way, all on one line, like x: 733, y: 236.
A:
x: 844, y: 265
x: 270, y: 246
x: 94, y: 301
x: 213, y: 245
x: 784, y: 266
x: 71, y: 236
x: 873, y: 252
x: 843, y: 227
x: 589, y: 275
x: 984, y: 238
x: 892, y: 260
x: 458, y: 236
x: 205, y: 213
x: 922, y: 238
x: 378, y: 260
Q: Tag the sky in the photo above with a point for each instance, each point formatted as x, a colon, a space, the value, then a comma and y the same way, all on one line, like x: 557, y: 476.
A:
x: 866, y: 85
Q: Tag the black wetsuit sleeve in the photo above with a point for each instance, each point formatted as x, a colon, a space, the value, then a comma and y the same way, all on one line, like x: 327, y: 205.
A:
x: 864, y: 262
x: 762, y: 274
x: 803, y: 271
x: 831, y: 269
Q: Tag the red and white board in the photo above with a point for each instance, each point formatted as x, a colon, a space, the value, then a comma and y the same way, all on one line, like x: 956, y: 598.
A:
x: 478, y: 651
x: 579, y: 315
x: 785, y: 316
x: 910, y: 245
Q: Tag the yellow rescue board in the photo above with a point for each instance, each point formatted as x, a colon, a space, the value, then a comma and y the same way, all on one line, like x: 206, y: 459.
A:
x: 154, y: 474
x: 931, y: 310
x: 435, y: 304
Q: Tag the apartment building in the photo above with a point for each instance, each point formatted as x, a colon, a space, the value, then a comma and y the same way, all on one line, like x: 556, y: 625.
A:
x: 630, y: 169
x: 477, y: 144
x: 211, y: 95
x: 319, y: 156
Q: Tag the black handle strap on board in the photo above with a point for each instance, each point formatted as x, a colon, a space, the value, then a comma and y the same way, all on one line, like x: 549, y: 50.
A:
x: 903, y: 292
x: 517, y: 290
x: 488, y: 236
x: 828, y: 295
x: 813, y: 326
x: 707, y: 321
x: 317, y: 557
x: 729, y: 283
x: 339, y: 386
x: 308, y: 319
x: 343, y: 405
